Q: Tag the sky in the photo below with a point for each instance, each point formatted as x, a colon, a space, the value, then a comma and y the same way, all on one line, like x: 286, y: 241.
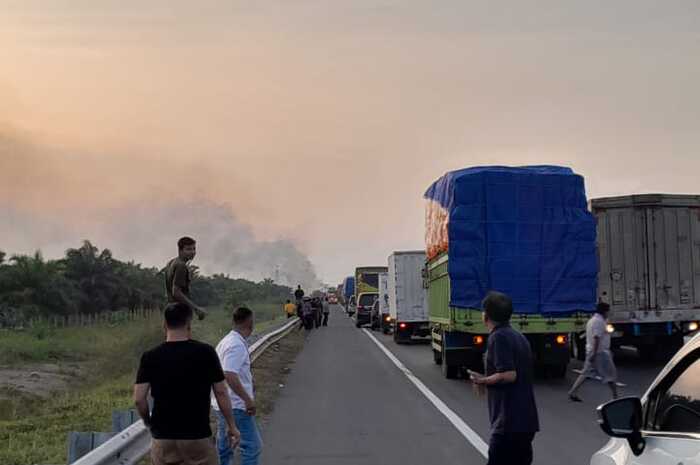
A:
x: 310, y: 129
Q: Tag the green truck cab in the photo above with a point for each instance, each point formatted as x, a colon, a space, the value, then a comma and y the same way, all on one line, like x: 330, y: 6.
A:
x: 366, y: 292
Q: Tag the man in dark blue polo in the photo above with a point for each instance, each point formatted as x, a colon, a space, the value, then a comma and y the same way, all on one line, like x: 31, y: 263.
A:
x: 512, y: 408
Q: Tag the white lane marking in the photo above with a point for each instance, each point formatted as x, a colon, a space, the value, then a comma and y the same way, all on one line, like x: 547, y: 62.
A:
x: 455, y: 419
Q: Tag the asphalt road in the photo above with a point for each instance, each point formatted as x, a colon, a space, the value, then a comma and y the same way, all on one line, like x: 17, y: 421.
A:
x: 346, y: 402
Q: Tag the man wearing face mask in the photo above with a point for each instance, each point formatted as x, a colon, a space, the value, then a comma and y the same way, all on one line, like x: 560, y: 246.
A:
x: 235, y: 361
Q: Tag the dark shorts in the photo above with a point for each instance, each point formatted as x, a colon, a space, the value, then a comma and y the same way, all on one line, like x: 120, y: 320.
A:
x: 184, y: 452
x: 511, y: 449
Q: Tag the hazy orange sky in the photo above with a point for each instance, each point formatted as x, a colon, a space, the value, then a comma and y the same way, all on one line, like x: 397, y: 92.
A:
x: 322, y: 122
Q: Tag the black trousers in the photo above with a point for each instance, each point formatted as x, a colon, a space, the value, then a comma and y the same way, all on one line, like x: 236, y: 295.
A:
x: 325, y: 319
x: 511, y: 449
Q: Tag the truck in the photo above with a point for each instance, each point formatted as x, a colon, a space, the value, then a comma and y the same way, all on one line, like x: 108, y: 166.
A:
x: 523, y: 231
x: 649, y: 256
x: 408, y: 298
x: 348, y: 290
x: 366, y: 292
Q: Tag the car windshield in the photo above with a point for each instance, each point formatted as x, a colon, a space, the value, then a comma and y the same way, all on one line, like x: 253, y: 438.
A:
x: 367, y: 300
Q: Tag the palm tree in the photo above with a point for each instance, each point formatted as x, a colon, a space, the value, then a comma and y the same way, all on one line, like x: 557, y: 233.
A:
x: 36, y: 285
x: 94, y: 273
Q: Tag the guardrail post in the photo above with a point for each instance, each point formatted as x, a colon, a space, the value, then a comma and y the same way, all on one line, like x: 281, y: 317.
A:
x: 122, y: 419
x: 80, y: 443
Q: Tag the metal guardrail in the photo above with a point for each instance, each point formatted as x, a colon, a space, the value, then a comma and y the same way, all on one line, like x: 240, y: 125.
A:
x: 131, y: 445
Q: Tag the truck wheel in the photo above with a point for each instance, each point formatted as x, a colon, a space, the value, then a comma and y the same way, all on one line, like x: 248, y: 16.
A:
x: 448, y: 371
x: 437, y: 357
x: 647, y: 352
x: 558, y: 371
x: 398, y: 338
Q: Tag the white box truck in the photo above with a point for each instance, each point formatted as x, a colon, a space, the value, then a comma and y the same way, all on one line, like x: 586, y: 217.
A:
x: 408, y: 297
x: 649, y: 268
x: 380, y: 313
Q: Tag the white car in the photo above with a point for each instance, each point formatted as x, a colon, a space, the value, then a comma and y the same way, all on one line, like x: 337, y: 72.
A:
x: 661, y: 428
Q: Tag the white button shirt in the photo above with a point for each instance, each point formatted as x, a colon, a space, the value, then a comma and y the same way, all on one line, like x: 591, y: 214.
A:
x: 235, y: 358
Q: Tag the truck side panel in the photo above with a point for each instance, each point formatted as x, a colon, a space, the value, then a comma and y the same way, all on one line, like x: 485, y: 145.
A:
x: 439, y: 292
x: 383, y: 293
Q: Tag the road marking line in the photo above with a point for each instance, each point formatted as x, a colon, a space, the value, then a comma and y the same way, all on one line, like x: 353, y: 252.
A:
x: 455, y: 419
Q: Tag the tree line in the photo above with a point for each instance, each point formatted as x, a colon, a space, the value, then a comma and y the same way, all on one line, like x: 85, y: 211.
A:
x: 88, y: 280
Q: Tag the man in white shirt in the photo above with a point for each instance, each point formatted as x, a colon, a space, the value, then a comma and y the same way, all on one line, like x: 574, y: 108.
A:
x: 235, y: 361
x: 599, y: 360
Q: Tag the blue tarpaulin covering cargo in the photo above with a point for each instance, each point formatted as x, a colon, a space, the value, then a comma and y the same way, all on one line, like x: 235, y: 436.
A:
x: 348, y: 286
x: 524, y: 231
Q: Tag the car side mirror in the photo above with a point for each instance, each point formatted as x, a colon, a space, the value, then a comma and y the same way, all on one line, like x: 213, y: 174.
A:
x: 622, y: 418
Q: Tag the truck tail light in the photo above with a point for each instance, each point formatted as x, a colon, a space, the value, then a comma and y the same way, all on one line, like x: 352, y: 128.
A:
x: 610, y: 328
x: 402, y: 325
x: 478, y: 340
x: 561, y: 339
x: 388, y: 319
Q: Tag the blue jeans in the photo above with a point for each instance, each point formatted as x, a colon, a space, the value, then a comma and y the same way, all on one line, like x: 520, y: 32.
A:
x: 251, y: 442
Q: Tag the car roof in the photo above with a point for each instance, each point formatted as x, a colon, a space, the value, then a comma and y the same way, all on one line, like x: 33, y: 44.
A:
x: 690, y: 346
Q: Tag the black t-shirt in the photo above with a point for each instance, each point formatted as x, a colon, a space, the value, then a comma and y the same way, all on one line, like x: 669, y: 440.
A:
x: 512, y: 407
x: 298, y: 294
x: 181, y: 375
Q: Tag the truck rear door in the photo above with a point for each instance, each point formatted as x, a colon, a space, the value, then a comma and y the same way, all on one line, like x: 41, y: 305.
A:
x: 623, y: 278
x: 674, y: 257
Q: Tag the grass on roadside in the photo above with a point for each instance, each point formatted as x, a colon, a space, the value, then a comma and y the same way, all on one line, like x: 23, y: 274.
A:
x: 35, y: 430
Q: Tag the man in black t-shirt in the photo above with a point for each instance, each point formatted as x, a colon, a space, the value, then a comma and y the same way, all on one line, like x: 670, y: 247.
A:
x: 180, y: 374
x: 512, y: 408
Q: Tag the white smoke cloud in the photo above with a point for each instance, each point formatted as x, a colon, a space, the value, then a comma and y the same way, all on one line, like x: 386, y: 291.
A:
x: 50, y: 202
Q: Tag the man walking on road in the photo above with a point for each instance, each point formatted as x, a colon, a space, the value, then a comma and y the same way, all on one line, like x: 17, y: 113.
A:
x: 180, y: 375
x: 177, y: 276
x: 511, y: 397
x: 599, y: 361
x: 318, y: 311
x: 235, y: 360
x: 326, y: 311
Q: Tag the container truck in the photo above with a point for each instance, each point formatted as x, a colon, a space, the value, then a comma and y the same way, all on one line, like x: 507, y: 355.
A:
x: 649, y: 258
x: 408, y: 298
x: 366, y: 292
x: 523, y: 231
x: 348, y: 290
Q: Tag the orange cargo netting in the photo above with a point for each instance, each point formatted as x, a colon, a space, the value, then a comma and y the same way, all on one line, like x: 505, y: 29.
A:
x: 436, y: 220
